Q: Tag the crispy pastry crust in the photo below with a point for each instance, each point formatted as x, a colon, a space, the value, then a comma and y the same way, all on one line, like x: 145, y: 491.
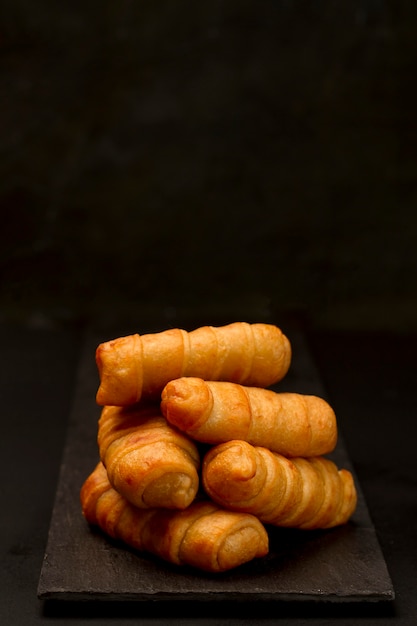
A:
x: 298, y: 493
x: 135, y: 367
x: 214, y: 412
x: 203, y: 536
x: 148, y: 461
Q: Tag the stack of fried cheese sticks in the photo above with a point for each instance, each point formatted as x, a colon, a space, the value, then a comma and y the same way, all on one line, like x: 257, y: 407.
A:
x: 198, y: 457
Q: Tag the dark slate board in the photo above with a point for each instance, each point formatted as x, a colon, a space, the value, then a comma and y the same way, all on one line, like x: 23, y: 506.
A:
x: 340, y: 565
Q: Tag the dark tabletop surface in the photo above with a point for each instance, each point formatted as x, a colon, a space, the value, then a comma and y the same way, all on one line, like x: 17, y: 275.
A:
x: 369, y: 379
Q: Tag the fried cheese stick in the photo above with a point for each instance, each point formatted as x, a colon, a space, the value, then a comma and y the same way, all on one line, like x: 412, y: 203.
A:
x: 148, y: 461
x: 298, y: 493
x: 203, y: 536
x: 138, y: 366
x: 214, y: 412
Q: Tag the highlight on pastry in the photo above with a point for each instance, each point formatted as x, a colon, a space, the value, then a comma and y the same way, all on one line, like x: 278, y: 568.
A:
x: 203, y: 536
x: 139, y: 366
x: 214, y: 412
x: 148, y: 461
x: 299, y: 493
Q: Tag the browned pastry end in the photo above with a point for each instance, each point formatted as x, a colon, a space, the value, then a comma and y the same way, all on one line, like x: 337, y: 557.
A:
x: 203, y: 535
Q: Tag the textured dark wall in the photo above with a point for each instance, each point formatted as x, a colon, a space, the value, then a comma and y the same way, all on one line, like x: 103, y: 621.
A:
x: 230, y: 159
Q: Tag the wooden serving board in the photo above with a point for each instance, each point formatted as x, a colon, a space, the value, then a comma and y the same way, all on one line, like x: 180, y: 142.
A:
x: 339, y: 565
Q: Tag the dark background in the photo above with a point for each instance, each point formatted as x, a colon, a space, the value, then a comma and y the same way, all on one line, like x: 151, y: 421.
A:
x: 233, y: 160
x: 186, y: 163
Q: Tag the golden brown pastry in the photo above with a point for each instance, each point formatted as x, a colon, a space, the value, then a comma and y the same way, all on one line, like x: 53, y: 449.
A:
x: 148, y: 461
x: 213, y: 412
x: 136, y: 367
x: 298, y: 492
x: 203, y: 536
